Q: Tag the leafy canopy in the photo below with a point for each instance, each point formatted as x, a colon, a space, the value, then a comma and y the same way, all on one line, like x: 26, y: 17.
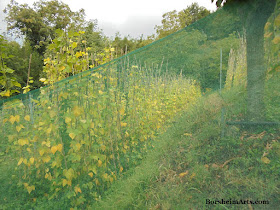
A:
x: 38, y: 23
x: 173, y: 21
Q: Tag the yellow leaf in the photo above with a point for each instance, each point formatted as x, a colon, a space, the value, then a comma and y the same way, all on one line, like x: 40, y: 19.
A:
x: 92, y: 125
x: 83, y: 121
x: 90, y: 174
x: 25, y: 161
x: 126, y: 134
x: 59, y: 147
x: 101, y: 130
x: 54, y: 163
x: 123, y: 124
x: 41, y: 152
x: 277, y: 21
x: 30, y: 188
x: 23, y: 142
x: 69, y: 182
x: 72, y: 135
x: 78, y: 54
x: 31, y: 160
x: 192, y: 176
x: 67, y: 120
x: 46, y: 159
x: 276, y: 40
x: 20, y: 161
x: 181, y: 175
x: 52, y: 114
x: 64, y: 182
x: 69, y: 174
x: 105, y: 175
x: 41, y: 123
x: 48, y: 144
x: 12, y: 119
x: 42, y: 79
x: 17, y: 117
x: 187, y: 134
x: 121, y: 169
x: 19, y: 127
x: 265, y: 160
x: 122, y: 111
x: 54, y: 149
x: 27, y: 118
x: 77, y: 111
x: 61, y: 68
x: 49, y: 130
x: 99, y: 163
x: 28, y: 150
x: 77, y: 189
x: 7, y: 93
x: 267, y: 26
x: 78, y: 145
x: 268, y: 34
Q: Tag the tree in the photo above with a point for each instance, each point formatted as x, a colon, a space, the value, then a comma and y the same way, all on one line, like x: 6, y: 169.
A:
x: 93, y: 36
x: 38, y: 23
x: 19, y: 61
x: 8, y: 83
x: 255, y: 14
x: 174, y: 21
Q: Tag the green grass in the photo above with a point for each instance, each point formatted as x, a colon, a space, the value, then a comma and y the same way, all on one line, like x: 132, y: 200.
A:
x: 191, y: 162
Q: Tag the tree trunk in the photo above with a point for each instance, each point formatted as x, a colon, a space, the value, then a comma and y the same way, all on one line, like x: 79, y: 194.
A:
x: 256, y: 68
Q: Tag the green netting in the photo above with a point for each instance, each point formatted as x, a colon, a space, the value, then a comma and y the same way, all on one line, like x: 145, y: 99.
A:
x: 74, y: 138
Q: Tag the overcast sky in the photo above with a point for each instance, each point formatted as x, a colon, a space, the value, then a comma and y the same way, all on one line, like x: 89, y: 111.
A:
x: 124, y: 16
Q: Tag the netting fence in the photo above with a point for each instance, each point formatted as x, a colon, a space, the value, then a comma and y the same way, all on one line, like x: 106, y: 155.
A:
x: 73, y: 138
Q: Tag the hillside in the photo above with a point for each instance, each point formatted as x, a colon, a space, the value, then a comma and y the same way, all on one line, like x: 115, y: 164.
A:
x: 190, y: 119
x: 192, y: 162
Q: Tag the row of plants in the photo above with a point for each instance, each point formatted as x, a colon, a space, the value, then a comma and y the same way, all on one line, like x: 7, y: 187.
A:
x: 71, y: 140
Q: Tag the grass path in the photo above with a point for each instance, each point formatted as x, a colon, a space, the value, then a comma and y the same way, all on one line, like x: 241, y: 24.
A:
x: 192, y: 163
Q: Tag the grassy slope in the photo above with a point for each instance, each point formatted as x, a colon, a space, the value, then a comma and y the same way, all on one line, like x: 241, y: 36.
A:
x: 192, y: 163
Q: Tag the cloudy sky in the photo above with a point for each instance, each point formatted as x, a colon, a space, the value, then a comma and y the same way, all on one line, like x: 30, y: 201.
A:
x: 134, y: 17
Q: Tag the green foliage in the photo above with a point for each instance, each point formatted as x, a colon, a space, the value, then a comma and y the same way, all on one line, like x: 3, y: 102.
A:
x: 93, y: 37
x: 127, y: 44
x: 174, y: 21
x: 237, y: 67
x: 19, y: 61
x: 272, y: 41
x: 8, y: 83
x: 39, y: 23
x: 72, y: 140
x: 199, y: 56
x: 193, y: 163
x: 65, y: 56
